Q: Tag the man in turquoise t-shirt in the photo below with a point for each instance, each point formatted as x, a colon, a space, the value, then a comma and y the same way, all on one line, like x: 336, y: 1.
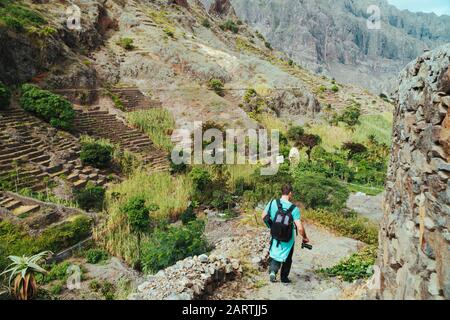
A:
x: 281, y: 254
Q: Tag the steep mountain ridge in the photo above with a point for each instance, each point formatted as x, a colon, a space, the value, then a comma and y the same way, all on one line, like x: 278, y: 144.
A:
x: 332, y: 37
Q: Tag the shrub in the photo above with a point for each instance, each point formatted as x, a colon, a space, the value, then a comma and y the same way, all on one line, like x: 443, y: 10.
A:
x: 295, y: 133
x: 126, y: 43
x: 357, y: 266
x: 95, y: 256
x: 334, y: 88
x: 53, y: 108
x: 169, y: 32
x: 91, y: 198
x: 352, y: 226
x: 268, y: 45
x: 217, y: 86
x: 230, y: 25
x: 201, y: 178
x: 165, y: 247
x: 5, y: 96
x: 96, y: 154
x: 206, y: 23
x: 315, y: 190
x: 188, y: 215
x: 19, y: 18
x: 138, y: 214
x: 57, y: 272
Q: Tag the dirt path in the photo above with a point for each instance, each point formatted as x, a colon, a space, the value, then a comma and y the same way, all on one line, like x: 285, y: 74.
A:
x: 328, y: 250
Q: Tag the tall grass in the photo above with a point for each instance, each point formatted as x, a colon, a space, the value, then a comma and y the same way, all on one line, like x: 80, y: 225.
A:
x: 170, y: 194
x: 157, y: 123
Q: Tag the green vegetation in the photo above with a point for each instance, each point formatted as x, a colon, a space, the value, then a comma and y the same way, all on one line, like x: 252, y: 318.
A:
x: 168, y: 245
x: 217, y: 86
x: 357, y: 266
x: 126, y: 43
x: 316, y: 191
x: 5, y: 96
x: 117, y: 101
x: 230, y: 25
x: 49, y: 106
x: 188, y: 215
x: 106, y: 288
x: 15, y: 240
x: 23, y: 270
x: 268, y: 45
x: 96, y: 255
x: 56, y: 272
x: 170, y: 32
x: 352, y: 225
x: 206, y: 23
x: 91, y: 197
x: 158, y: 123
x: 96, y: 153
x: 102, y: 153
x: 334, y: 88
x: 350, y: 116
x: 170, y: 194
x: 18, y: 17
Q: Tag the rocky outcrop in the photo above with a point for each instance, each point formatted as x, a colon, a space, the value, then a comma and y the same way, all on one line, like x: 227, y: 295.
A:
x: 331, y: 36
x: 222, y: 8
x: 414, y: 239
x: 197, y: 277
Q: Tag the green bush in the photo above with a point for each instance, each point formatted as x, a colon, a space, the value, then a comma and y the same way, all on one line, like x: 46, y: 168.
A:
x: 91, y: 198
x: 126, y: 43
x: 206, y: 23
x: 96, y: 154
x: 352, y: 226
x: 315, y: 190
x: 201, y: 178
x: 268, y: 45
x: 138, y: 214
x: 217, y: 86
x: 95, y: 255
x: 188, y: 215
x: 167, y: 246
x: 56, y: 272
x: 18, y: 18
x: 230, y: 25
x: 53, y: 108
x: 334, y: 88
x: 64, y: 235
x: 357, y: 266
x: 5, y: 96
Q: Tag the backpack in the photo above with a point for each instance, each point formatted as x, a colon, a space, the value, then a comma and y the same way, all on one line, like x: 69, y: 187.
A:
x: 282, y: 224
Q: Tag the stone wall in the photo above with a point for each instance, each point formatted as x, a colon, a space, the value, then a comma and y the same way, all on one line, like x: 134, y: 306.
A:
x: 414, y: 239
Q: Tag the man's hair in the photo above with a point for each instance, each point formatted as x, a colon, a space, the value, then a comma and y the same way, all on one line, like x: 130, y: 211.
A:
x: 286, y: 189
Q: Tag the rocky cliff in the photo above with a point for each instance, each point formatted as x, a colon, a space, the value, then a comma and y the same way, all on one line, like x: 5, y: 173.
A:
x: 332, y: 37
x: 414, y: 239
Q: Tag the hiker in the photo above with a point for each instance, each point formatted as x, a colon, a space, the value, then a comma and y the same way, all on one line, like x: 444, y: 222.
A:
x: 283, y: 219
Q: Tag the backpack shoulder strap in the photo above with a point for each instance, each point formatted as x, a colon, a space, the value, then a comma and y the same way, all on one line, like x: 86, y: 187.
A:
x: 291, y: 209
x: 280, y: 207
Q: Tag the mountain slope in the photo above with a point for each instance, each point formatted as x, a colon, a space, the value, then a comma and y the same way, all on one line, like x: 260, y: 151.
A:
x: 332, y: 37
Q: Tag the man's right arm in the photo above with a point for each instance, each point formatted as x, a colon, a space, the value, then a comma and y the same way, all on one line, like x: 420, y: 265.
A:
x: 301, y: 230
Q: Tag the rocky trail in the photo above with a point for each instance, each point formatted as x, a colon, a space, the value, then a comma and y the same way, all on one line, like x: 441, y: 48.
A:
x: 328, y: 250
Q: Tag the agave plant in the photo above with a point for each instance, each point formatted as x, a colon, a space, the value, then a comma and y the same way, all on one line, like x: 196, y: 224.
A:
x: 22, y: 281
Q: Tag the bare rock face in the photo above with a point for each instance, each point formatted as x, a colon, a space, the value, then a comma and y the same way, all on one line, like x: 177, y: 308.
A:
x: 414, y: 240
x: 222, y: 8
x: 183, y: 3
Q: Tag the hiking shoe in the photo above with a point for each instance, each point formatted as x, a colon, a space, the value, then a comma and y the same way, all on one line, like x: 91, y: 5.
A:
x: 273, y: 277
x: 286, y: 280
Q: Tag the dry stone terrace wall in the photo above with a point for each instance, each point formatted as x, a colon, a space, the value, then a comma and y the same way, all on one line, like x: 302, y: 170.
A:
x: 415, y: 239
x: 197, y: 277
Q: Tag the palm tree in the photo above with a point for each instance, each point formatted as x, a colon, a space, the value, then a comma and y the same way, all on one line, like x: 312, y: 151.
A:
x: 23, y: 270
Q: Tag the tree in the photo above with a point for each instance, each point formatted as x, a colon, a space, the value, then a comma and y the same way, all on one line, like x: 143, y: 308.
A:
x: 295, y: 133
x: 138, y: 215
x: 353, y: 148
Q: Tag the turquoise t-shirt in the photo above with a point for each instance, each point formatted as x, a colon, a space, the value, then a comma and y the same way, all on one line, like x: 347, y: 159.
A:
x: 281, y: 252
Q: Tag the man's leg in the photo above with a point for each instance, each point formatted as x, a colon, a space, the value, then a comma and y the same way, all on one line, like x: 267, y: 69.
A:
x: 286, y: 267
x: 274, y: 266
